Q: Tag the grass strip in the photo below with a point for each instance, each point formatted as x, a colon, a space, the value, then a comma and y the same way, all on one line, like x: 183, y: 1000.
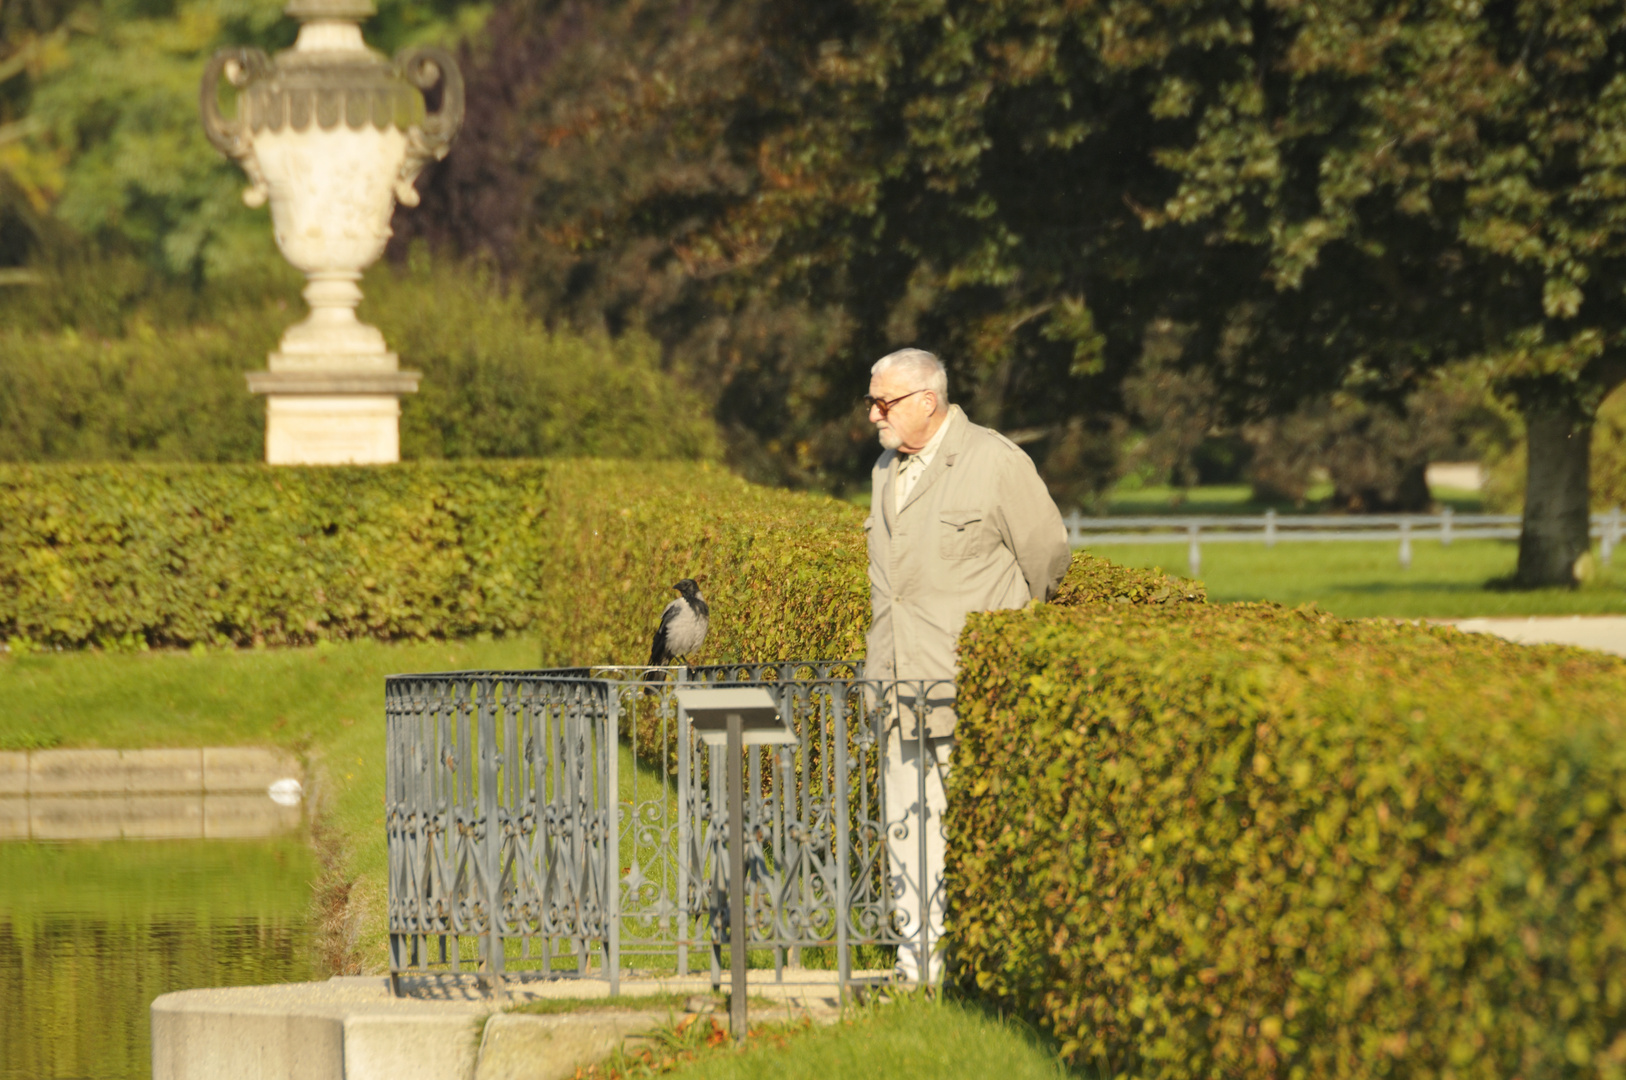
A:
x: 905, y: 1038
x: 676, y: 1001
x: 1360, y: 578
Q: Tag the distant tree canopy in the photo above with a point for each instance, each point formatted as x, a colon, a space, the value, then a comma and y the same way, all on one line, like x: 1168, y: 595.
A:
x: 1323, y: 205
x: 99, y: 129
x: 1323, y: 195
x: 1448, y: 179
x: 100, y: 365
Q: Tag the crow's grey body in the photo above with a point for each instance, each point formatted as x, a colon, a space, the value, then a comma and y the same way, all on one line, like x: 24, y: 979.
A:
x: 683, y: 625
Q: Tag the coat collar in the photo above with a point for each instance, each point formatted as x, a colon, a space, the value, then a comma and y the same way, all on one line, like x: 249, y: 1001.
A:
x: 888, y: 506
x: 942, y: 461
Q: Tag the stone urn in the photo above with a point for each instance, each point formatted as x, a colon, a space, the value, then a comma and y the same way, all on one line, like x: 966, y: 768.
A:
x: 332, y: 134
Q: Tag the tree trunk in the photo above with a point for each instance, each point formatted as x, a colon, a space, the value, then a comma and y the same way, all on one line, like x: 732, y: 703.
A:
x: 1554, y: 533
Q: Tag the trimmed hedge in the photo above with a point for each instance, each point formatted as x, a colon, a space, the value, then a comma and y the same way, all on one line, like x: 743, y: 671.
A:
x: 1243, y: 841
x: 1094, y: 580
x: 583, y: 552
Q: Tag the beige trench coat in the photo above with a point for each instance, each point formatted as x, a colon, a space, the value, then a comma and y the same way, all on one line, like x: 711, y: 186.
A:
x: 979, y: 533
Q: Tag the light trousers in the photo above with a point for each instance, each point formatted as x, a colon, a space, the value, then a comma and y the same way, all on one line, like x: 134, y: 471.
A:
x: 916, y: 877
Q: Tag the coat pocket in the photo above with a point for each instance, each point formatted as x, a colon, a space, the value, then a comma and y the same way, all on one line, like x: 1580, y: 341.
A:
x: 958, y: 532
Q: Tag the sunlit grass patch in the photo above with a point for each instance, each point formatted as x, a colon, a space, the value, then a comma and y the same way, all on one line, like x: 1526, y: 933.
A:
x: 1364, y: 578
x: 907, y: 1038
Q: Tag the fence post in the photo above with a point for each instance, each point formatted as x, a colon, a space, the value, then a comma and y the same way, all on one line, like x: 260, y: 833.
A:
x: 1194, y: 553
x: 1270, y: 528
x: 1405, y: 544
x: 490, y: 840
x: 1072, y: 521
x: 685, y: 828
x: 609, y: 741
x: 1611, y: 536
x: 844, y: 964
x: 1445, y: 527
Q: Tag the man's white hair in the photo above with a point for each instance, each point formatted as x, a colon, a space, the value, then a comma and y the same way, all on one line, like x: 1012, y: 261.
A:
x: 924, y: 371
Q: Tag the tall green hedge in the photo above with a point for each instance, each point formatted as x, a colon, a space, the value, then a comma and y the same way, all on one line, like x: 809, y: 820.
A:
x: 131, y: 371
x: 1242, y: 841
x: 582, y: 552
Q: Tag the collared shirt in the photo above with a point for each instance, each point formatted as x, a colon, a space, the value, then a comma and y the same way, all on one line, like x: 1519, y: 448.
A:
x: 912, y: 466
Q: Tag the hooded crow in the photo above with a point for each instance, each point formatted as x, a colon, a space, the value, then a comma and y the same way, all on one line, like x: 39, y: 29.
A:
x: 683, y: 626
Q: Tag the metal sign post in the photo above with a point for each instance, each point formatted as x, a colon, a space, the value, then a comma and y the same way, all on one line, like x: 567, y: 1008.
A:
x: 735, y: 717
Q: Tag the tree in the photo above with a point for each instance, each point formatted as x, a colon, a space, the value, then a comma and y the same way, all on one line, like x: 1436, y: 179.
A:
x: 989, y: 178
x: 580, y: 113
x: 112, y: 147
x: 1466, y: 159
x: 33, y: 40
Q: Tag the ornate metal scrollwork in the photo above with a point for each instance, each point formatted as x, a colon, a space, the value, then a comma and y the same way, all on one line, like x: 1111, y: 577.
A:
x: 592, y: 864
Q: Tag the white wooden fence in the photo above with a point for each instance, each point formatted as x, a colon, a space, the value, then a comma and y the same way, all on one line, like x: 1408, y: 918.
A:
x: 1272, y: 529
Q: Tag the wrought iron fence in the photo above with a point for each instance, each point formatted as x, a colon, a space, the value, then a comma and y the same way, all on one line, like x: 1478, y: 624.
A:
x: 567, y: 822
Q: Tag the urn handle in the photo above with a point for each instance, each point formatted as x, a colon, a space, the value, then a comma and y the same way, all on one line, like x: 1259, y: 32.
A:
x: 426, y: 68
x: 240, y: 67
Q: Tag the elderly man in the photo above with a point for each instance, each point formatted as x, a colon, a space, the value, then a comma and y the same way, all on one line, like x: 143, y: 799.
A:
x: 959, y: 522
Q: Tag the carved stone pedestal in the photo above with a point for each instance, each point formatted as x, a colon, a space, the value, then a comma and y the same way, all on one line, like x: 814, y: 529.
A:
x: 328, y: 418
x: 332, y: 135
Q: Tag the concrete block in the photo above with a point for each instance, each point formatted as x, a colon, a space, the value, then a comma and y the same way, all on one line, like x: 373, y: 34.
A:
x: 241, y: 816
x: 359, y: 429
x: 245, y: 768
x: 352, y: 1028
x: 342, y: 1029
x: 13, y: 773
x: 163, y: 817
x: 391, y: 1046
x: 89, y: 817
x: 162, y: 771
x: 518, y: 1047
x: 75, y: 772
x: 13, y: 818
x: 196, y: 1038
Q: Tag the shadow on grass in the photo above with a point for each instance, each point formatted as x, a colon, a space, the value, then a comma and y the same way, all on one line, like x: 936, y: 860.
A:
x: 1387, y: 588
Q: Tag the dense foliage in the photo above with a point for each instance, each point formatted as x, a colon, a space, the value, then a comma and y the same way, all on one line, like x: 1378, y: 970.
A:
x: 1327, y: 200
x: 109, y: 366
x: 582, y: 553
x: 100, y: 141
x: 1245, y: 841
x: 1094, y: 580
x: 1427, y: 182
x: 1326, y: 203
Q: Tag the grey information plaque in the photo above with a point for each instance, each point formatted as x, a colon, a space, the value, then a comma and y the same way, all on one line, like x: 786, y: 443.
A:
x: 734, y: 718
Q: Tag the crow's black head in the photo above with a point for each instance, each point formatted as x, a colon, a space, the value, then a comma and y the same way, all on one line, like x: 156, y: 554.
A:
x: 688, y: 588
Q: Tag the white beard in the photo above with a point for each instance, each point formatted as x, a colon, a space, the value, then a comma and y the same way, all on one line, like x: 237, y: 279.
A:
x: 890, y: 439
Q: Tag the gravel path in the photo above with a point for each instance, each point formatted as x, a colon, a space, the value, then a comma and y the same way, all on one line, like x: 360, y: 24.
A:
x: 1606, y: 633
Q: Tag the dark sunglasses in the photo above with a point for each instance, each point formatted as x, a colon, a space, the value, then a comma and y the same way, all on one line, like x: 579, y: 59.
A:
x: 886, y: 406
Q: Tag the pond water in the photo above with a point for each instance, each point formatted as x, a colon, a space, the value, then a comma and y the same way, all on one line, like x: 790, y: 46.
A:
x: 90, y: 933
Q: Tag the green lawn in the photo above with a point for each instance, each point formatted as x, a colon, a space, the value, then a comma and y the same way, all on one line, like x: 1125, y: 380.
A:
x: 1361, y: 578
x: 1354, y: 578
x: 911, y: 1038
x: 325, y: 704
x: 1238, y: 499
